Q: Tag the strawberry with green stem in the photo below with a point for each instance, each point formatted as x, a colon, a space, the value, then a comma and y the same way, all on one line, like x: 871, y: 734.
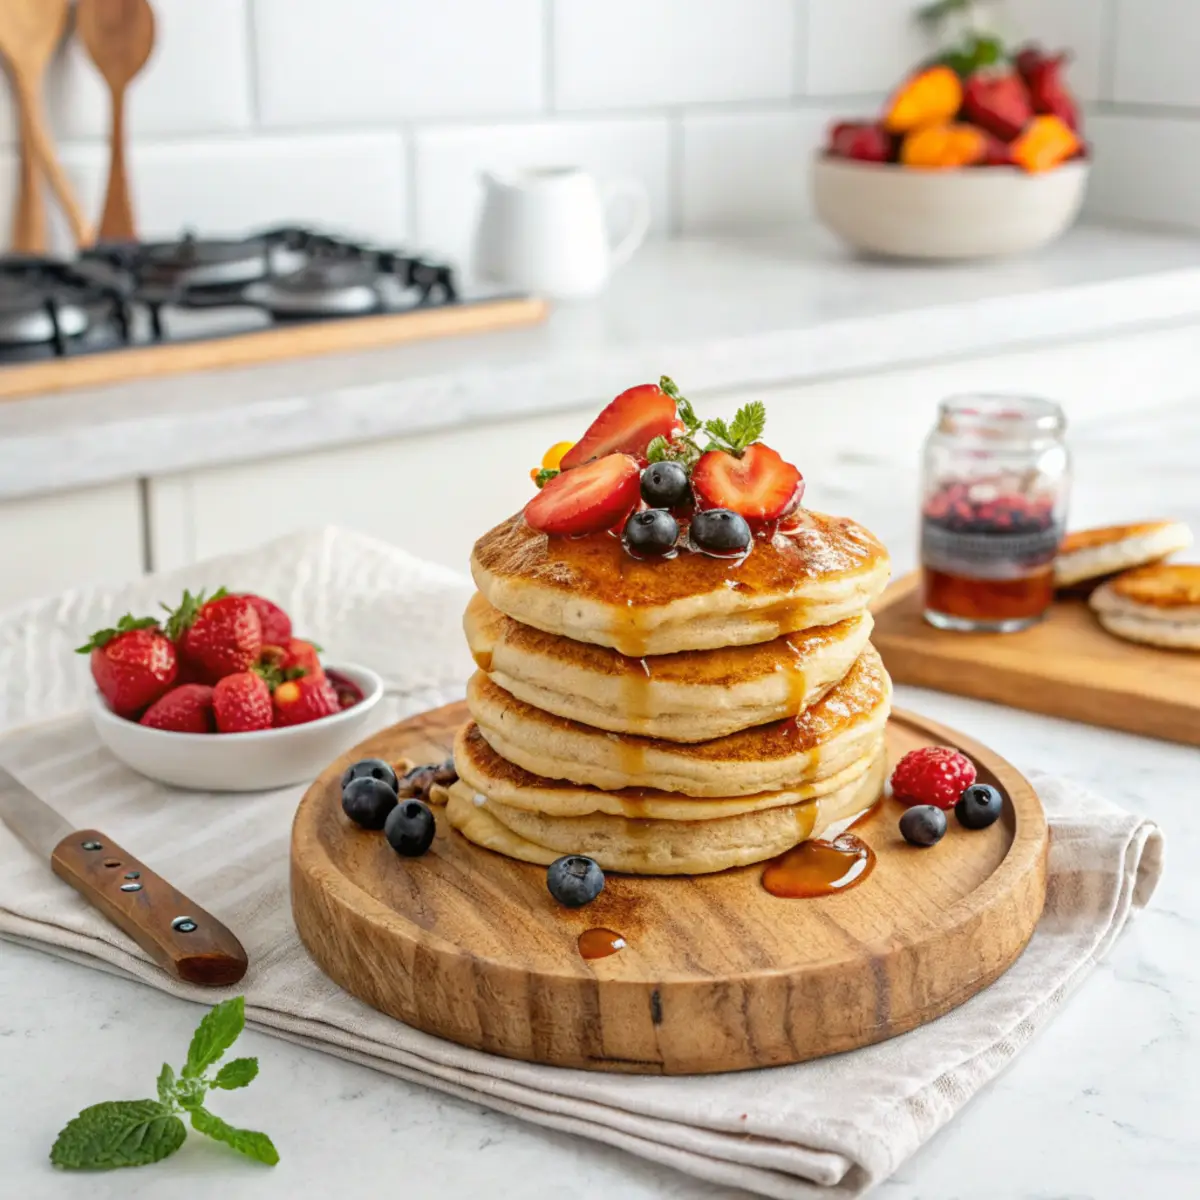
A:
x: 133, y: 664
x: 220, y: 635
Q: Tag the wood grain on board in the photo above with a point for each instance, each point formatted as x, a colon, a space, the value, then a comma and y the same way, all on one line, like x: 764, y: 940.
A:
x: 302, y: 340
x: 1067, y: 666
x: 717, y: 974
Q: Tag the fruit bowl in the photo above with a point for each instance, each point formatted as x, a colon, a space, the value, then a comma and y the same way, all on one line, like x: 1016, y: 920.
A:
x: 971, y: 212
x: 239, y: 762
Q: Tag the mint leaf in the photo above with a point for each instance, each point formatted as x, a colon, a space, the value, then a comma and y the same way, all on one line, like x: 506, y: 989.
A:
x: 687, y: 414
x: 748, y: 423
x: 544, y: 476
x: 214, y: 1035
x: 659, y: 450
x: 166, y: 1086
x: 244, y: 1141
x: 236, y: 1074
x: 190, y: 1093
x: 118, y: 1133
x: 719, y: 432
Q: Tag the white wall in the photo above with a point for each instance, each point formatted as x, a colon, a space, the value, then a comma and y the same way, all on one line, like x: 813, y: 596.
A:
x: 374, y: 116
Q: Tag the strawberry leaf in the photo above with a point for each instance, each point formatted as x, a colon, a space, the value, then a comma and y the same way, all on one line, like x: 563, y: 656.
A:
x: 126, y: 624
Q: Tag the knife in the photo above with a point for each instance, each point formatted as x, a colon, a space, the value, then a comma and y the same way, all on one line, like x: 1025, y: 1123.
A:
x: 180, y: 936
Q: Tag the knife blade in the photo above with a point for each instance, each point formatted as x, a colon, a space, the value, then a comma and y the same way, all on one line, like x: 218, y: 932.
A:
x: 179, y: 935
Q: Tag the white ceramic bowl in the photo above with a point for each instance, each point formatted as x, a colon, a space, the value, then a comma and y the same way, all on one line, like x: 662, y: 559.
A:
x: 972, y: 212
x: 239, y: 762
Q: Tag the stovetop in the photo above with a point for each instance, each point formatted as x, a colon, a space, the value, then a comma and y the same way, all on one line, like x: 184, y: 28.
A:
x: 115, y: 296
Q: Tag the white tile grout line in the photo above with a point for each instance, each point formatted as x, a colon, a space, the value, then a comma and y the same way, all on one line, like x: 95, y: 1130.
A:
x: 675, y: 168
x: 412, y: 222
x: 251, y: 64
x: 1108, y: 51
x: 800, y: 34
x: 549, y: 80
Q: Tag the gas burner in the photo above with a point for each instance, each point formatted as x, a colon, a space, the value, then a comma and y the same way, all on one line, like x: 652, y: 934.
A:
x: 47, y: 302
x: 324, y: 287
x: 191, y: 262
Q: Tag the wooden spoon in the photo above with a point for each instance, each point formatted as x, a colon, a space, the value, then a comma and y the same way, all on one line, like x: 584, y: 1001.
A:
x: 30, y: 30
x: 119, y: 36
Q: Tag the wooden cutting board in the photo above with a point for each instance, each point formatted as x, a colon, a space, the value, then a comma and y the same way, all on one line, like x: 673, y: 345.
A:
x: 717, y: 974
x: 1067, y: 666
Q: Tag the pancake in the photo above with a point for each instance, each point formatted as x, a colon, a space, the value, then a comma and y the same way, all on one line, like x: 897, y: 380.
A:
x: 691, y: 696
x: 486, y: 773
x: 1090, y: 554
x: 823, y: 570
x: 1158, y: 605
x: 822, y: 740
x: 660, y: 847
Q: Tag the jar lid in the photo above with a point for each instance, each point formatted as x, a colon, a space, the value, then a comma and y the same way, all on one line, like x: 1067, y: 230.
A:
x: 1001, y: 417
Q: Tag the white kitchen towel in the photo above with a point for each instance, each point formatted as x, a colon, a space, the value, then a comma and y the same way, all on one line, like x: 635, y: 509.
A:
x: 830, y: 1128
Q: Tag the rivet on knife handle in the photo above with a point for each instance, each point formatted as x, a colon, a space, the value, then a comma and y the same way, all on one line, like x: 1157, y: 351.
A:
x: 181, y: 937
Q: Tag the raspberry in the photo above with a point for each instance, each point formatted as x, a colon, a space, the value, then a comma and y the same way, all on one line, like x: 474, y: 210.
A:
x: 932, y: 775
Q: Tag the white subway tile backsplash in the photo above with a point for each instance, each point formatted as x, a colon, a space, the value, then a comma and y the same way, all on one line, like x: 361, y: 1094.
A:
x: 1147, y: 169
x: 449, y: 161
x: 1156, y: 47
x: 377, y: 61
x: 855, y: 46
x: 197, y: 79
x: 631, y: 53
x: 748, y: 169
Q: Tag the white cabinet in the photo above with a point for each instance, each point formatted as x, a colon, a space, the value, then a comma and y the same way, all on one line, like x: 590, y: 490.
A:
x: 48, y: 543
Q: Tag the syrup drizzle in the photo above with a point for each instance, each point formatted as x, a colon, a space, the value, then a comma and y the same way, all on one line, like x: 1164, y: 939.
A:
x: 600, y: 943
x: 819, y: 868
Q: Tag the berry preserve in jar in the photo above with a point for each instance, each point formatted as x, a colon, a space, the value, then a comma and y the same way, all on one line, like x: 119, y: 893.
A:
x: 994, y: 506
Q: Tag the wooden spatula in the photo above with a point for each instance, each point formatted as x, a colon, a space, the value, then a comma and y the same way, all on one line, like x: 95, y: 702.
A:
x: 29, y: 32
x: 119, y: 36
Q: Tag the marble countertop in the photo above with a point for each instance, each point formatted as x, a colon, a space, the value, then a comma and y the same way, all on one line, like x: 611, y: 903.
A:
x: 727, y: 314
x: 1102, y: 1106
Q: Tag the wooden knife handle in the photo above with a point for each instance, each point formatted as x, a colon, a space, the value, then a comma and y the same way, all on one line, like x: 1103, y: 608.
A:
x: 179, y: 935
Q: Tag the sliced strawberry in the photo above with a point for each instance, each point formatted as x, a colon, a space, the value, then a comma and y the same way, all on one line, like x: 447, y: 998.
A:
x: 759, y: 485
x: 589, y: 499
x: 627, y: 426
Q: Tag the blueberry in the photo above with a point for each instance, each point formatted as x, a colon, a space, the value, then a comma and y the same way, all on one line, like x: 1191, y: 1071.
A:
x: 665, y: 485
x: 923, y: 825
x: 370, y: 768
x: 574, y: 880
x: 651, y: 532
x: 367, y: 801
x: 978, y: 806
x: 720, y: 530
x: 410, y: 828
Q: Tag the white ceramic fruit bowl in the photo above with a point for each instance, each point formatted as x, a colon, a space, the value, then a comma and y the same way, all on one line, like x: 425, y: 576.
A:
x: 972, y: 212
x: 239, y: 762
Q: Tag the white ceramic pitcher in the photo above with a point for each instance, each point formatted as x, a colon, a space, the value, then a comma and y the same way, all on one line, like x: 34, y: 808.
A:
x: 546, y: 230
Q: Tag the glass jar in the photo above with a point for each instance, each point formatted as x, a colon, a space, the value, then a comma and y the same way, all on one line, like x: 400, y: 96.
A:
x: 994, y: 495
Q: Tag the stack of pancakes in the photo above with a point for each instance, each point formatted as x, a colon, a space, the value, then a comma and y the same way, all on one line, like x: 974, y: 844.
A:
x: 670, y: 716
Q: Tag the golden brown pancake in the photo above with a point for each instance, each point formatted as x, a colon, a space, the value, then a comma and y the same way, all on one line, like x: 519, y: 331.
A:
x: 690, y: 696
x: 1158, y: 605
x: 824, y: 570
x: 820, y: 741
x: 487, y: 774
x: 660, y: 847
x: 1088, y: 554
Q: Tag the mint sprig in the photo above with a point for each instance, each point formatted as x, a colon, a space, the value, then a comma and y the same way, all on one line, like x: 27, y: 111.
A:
x: 132, y: 1133
x: 747, y: 427
x: 544, y: 476
x: 734, y: 438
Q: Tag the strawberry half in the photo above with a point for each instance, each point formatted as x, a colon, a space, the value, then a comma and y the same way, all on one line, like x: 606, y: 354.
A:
x: 589, y: 499
x: 759, y: 485
x: 627, y: 426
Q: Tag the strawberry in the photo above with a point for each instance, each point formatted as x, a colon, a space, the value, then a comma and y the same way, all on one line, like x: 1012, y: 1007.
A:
x: 298, y: 701
x: 276, y: 624
x: 242, y: 702
x: 588, y: 499
x: 996, y: 152
x: 220, y: 636
x: 133, y: 664
x: 759, y: 485
x: 933, y: 775
x: 862, y: 141
x: 998, y: 102
x: 186, y: 709
x: 1043, y: 75
x: 294, y: 658
x: 627, y: 426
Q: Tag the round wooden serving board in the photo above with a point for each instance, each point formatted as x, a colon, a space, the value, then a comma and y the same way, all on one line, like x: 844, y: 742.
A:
x: 717, y: 974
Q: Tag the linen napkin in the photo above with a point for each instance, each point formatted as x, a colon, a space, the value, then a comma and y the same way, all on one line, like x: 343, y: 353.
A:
x: 829, y: 1128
